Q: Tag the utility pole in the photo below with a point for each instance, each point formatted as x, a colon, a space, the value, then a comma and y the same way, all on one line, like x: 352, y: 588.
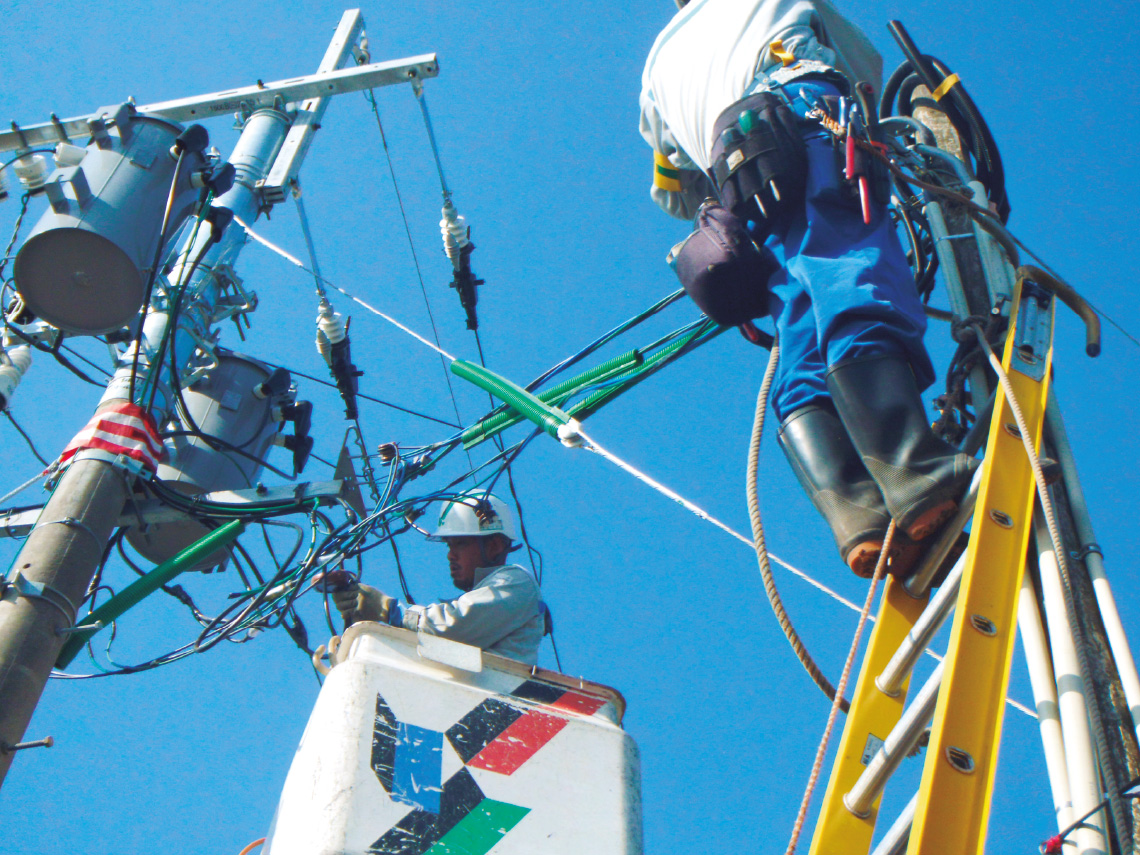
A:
x: 53, y: 570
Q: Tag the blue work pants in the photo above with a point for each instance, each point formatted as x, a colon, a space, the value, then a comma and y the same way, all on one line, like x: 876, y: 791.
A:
x: 845, y: 290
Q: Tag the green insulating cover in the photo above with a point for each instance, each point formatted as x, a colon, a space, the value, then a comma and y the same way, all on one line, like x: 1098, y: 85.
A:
x: 547, y: 417
x: 148, y: 584
x: 593, y: 403
x: 553, y: 396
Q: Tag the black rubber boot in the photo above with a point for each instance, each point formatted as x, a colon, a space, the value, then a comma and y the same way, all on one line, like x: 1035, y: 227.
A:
x: 830, y: 471
x: 922, y: 477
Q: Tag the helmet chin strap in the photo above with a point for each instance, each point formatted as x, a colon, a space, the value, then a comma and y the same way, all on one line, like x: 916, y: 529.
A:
x: 486, y: 560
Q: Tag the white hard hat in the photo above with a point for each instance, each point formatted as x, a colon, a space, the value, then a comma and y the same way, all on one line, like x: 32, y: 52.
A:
x: 475, y: 513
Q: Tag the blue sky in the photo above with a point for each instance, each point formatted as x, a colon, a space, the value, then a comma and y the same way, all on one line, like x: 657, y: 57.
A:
x: 535, y: 111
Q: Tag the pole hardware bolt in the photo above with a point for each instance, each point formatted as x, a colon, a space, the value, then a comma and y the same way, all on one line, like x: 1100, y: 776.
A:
x: 7, y: 748
x: 1012, y: 430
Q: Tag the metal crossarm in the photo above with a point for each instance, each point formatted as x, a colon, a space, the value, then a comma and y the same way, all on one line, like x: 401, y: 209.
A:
x: 958, y: 776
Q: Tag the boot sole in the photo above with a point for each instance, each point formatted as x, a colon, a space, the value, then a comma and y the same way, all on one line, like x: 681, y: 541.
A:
x: 931, y: 520
x: 864, y: 558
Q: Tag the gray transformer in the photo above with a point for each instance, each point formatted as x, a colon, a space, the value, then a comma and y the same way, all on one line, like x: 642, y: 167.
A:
x: 224, y: 405
x: 85, y: 266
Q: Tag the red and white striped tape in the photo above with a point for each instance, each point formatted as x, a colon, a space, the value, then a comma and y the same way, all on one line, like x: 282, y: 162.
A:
x: 123, y: 428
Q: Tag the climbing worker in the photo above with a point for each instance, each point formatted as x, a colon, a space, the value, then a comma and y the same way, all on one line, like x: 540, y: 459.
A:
x: 732, y: 96
x: 501, y: 609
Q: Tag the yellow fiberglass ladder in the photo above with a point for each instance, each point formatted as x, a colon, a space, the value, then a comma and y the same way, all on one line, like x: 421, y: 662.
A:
x: 1083, y: 677
x: 966, y: 693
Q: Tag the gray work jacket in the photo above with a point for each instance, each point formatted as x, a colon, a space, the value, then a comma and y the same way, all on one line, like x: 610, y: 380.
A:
x: 501, y: 614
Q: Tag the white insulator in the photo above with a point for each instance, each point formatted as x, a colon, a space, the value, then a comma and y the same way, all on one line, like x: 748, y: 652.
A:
x: 330, y: 330
x: 32, y: 170
x: 14, y: 364
x: 456, y: 233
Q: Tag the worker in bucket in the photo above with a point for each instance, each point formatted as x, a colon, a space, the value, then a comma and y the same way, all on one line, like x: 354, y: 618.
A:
x: 501, y: 607
x: 732, y: 98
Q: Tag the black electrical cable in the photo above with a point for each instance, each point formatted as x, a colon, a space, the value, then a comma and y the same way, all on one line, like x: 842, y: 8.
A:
x: 371, y: 97
x: 368, y: 397
x: 24, y: 434
x: 162, y: 236
x: 52, y: 351
x: 554, y: 646
x: 15, y: 229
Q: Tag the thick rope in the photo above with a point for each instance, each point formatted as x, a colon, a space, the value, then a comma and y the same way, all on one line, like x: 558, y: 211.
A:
x: 778, y: 609
x: 821, y: 752
x: 1096, y: 722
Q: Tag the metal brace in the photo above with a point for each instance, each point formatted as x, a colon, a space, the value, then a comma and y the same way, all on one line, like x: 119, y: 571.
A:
x: 1034, y: 331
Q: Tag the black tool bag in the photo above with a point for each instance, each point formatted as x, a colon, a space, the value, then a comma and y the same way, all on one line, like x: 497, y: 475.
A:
x: 759, y: 162
x: 722, y: 268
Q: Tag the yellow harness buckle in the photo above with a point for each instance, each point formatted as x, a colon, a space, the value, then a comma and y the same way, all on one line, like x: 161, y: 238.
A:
x: 665, y: 175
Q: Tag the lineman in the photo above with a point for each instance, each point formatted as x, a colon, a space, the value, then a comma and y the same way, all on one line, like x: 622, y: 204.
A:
x: 501, y: 608
x: 831, y: 270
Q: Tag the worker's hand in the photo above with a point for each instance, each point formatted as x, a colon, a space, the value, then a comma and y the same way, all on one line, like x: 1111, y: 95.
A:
x: 362, y: 602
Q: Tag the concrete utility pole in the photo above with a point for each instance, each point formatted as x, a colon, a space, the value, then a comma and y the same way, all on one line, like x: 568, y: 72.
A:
x: 53, y: 570
x: 59, y: 557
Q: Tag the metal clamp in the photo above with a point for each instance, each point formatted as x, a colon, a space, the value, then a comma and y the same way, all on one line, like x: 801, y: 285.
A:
x: 25, y: 587
x: 120, y: 461
x: 72, y: 522
x: 1087, y: 550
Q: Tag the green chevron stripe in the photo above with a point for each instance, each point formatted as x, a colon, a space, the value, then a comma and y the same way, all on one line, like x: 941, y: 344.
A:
x: 481, y: 829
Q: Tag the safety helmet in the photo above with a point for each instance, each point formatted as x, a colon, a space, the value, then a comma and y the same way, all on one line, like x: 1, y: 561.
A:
x: 475, y: 513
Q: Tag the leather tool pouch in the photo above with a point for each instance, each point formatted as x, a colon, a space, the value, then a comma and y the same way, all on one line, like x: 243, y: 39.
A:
x: 722, y: 269
x: 759, y: 161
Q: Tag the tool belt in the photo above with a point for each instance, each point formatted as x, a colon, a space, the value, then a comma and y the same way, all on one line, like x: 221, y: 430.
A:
x: 759, y: 161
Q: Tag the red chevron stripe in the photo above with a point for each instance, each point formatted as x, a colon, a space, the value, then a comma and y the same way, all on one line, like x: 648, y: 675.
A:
x: 526, y: 736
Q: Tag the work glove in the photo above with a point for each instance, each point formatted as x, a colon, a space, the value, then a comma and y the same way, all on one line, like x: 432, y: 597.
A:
x: 362, y: 602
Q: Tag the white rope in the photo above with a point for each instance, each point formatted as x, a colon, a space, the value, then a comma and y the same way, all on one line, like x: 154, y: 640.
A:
x: 292, y: 259
x: 592, y: 445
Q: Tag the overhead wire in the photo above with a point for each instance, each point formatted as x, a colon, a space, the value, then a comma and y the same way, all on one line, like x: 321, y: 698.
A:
x: 31, y: 445
x: 371, y: 97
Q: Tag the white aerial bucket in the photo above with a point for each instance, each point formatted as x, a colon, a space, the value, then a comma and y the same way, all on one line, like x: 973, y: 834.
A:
x: 423, y: 744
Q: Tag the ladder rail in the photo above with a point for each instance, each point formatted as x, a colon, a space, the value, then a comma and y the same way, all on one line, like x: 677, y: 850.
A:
x: 953, y: 806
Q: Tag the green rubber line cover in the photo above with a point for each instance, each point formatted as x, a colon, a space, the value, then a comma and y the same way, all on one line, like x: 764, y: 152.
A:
x: 530, y: 406
x: 148, y: 584
x: 554, y: 396
x: 592, y: 403
x: 480, y: 830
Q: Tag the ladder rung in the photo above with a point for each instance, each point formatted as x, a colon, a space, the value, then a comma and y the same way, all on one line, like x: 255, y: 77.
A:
x: 923, y: 631
x: 895, y: 840
x: 899, y: 743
